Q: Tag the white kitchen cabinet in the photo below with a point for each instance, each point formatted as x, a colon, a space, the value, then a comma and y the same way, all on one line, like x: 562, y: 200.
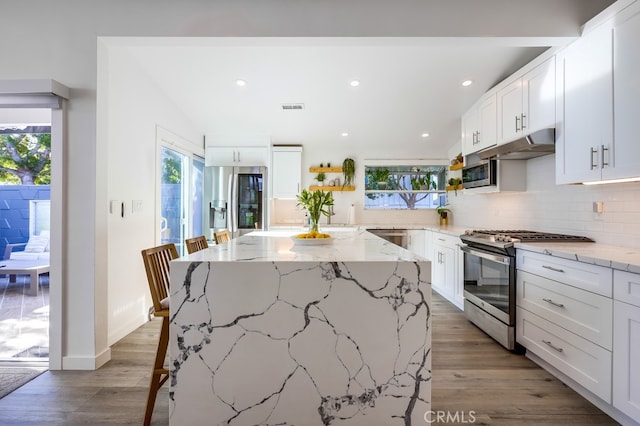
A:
x: 286, y: 171
x: 479, y: 125
x: 527, y: 103
x: 585, y: 107
x: 564, y: 315
x: 415, y: 242
x: 624, y: 156
x: 626, y: 344
x: 446, y: 265
x: 235, y: 156
x: 598, y: 98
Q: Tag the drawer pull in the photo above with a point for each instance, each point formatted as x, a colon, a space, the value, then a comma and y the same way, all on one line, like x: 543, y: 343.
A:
x: 559, y: 305
x: 552, y: 268
x: 552, y: 346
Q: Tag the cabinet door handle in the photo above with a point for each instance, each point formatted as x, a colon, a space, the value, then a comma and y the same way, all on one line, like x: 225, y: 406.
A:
x: 238, y: 156
x: 594, y: 151
x: 517, y: 118
x: 440, y: 239
x: 234, y: 156
x: 478, y: 136
x: 604, y: 163
x: 559, y: 305
x: 552, y: 346
x: 522, y: 117
x: 552, y: 268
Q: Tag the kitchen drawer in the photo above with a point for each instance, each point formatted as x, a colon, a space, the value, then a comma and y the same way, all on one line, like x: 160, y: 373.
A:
x: 626, y: 287
x: 586, y: 276
x: 581, y: 360
x: 586, y: 314
x: 446, y: 239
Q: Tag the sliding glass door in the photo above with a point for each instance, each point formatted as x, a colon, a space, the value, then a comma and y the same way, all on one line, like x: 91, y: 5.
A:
x: 180, y: 197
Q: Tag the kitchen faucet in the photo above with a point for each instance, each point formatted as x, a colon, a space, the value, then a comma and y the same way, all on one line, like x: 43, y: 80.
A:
x: 331, y: 213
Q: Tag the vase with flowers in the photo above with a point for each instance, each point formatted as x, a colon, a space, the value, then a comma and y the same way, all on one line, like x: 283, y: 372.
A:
x: 316, y: 203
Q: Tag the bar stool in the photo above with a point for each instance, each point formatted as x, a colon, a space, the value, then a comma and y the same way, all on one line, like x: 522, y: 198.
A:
x: 156, y: 264
x: 196, y: 244
x: 221, y: 236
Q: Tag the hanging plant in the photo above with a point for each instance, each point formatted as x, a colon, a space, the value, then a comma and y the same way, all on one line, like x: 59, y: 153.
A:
x: 349, y: 171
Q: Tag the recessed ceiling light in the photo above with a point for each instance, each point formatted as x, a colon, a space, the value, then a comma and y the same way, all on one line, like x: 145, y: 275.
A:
x: 425, y: 135
x: 345, y: 134
x: 241, y: 82
x: 467, y: 83
x: 355, y: 83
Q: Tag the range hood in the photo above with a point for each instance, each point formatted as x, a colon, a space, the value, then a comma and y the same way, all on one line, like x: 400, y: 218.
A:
x: 533, y: 145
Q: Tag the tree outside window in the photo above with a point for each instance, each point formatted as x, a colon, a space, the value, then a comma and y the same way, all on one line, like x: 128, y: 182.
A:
x: 25, y: 159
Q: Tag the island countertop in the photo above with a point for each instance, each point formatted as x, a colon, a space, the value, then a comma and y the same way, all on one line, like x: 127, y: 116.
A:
x: 265, y: 331
x: 275, y: 246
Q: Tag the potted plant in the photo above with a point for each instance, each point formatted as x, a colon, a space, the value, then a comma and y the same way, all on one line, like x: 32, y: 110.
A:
x: 316, y: 203
x: 443, y: 212
x: 320, y: 178
x: 382, y: 178
x: 349, y: 171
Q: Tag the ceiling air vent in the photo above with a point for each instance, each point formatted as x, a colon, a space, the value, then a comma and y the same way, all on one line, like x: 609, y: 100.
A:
x: 292, y: 107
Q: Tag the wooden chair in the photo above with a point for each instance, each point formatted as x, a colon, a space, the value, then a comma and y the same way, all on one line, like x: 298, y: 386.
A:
x: 221, y: 236
x: 156, y: 263
x: 196, y: 244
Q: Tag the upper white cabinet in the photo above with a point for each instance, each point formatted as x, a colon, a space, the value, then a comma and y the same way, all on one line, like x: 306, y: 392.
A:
x: 623, y: 158
x: 286, y: 171
x: 585, y: 107
x: 479, y: 125
x: 527, y: 103
x: 598, y: 100
x: 235, y: 156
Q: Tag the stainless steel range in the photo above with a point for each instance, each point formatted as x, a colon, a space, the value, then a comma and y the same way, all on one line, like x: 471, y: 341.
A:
x: 490, y: 278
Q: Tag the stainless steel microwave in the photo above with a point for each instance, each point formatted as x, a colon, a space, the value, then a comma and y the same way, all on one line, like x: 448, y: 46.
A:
x: 482, y: 173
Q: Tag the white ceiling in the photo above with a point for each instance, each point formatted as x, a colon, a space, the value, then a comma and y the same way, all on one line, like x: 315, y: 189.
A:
x: 407, y: 87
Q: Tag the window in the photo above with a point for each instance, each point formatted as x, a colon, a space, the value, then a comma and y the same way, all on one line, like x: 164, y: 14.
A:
x: 405, y: 186
x: 39, y: 216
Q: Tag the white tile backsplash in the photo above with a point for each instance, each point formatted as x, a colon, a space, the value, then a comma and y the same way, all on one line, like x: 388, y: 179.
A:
x: 556, y: 208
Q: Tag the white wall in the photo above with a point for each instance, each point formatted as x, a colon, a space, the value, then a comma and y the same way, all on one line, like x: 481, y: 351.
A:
x: 135, y: 107
x: 548, y: 207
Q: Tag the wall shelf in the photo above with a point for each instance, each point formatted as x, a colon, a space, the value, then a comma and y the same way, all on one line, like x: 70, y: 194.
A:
x: 332, y: 188
x: 325, y: 169
x: 456, y: 166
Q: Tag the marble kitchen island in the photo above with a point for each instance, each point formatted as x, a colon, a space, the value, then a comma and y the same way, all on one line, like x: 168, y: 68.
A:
x: 265, y: 331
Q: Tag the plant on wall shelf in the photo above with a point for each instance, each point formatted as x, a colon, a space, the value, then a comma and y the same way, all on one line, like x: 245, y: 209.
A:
x: 349, y: 171
x: 320, y: 177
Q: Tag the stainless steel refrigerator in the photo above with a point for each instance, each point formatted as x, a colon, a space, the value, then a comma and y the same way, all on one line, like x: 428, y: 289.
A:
x: 235, y: 198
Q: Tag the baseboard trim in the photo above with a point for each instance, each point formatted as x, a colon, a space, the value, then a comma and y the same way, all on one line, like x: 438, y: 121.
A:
x: 86, y: 363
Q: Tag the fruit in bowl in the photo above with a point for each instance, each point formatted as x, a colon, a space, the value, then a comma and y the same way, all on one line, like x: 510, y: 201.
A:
x: 313, y: 234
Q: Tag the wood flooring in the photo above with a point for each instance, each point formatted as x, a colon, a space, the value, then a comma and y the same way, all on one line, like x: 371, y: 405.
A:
x: 472, y: 376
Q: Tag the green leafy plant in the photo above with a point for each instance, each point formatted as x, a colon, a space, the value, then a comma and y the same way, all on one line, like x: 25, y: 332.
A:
x: 320, y: 177
x: 443, y: 211
x: 316, y: 203
x: 349, y: 171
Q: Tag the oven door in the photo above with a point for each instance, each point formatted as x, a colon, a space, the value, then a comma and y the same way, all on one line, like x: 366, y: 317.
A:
x: 489, y: 283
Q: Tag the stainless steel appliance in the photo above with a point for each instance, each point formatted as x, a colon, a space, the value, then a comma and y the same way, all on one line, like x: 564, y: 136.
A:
x: 395, y: 236
x: 480, y: 173
x: 490, y: 278
x: 235, y: 199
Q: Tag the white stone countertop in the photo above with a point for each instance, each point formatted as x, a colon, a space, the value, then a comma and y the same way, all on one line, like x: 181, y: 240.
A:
x: 278, y: 245
x: 623, y: 258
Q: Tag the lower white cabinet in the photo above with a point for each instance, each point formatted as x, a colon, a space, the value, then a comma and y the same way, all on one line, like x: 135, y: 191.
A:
x: 564, y: 315
x: 580, y: 359
x: 446, y: 268
x: 626, y: 344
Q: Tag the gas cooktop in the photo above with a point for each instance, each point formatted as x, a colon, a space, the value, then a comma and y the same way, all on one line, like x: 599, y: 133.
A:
x: 505, y: 238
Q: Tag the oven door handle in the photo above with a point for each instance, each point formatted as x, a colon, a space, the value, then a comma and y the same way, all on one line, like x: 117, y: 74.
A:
x: 505, y: 260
